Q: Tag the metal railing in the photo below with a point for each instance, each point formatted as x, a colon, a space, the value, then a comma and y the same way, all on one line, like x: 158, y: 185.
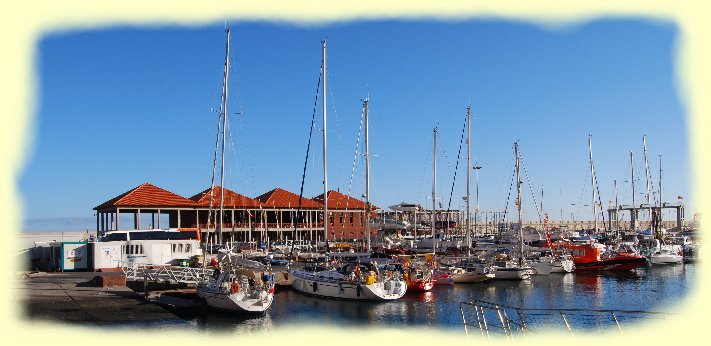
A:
x: 493, y: 319
x: 158, y: 273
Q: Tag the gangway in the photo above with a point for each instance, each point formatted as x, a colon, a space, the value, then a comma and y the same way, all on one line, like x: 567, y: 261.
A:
x: 163, y: 273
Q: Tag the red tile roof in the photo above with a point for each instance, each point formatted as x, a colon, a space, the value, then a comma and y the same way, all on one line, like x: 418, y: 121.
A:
x: 337, y: 200
x: 280, y: 198
x: 147, y: 195
x: 232, y: 199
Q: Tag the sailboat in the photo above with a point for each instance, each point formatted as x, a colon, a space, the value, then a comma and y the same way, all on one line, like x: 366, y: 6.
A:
x: 663, y: 253
x: 354, y: 281
x: 555, y: 262
x: 592, y: 255
x: 237, y: 284
x: 515, y: 268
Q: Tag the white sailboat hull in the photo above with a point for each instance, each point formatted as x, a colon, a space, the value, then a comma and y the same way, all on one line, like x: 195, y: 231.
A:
x: 564, y: 266
x: 542, y: 268
x: 471, y: 277
x: 513, y: 273
x: 256, y: 302
x: 546, y: 266
x: 331, y: 287
x: 668, y: 258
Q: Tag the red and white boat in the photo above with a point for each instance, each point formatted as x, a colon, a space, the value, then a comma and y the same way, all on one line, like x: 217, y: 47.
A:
x: 419, y: 280
x: 417, y: 274
x: 591, y: 256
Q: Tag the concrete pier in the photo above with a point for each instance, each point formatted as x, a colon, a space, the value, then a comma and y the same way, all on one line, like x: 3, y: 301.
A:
x: 76, y: 298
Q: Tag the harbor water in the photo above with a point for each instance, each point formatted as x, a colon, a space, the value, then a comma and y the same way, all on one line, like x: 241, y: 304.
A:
x: 658, y: 288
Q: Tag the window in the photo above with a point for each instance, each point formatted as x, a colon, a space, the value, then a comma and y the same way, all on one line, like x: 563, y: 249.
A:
x: 187, y: 247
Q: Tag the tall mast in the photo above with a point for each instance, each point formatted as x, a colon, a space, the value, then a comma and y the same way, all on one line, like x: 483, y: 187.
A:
x: 518, y: 197
x: 367, y: 176
x: 469, y: 171
x: 542, y: 200
x: 617, y: 218
x: 224, y: 125
x: 592, y: 183
x: 649, y: 186
x: 434, y: 191
x: 325, y: 172
x: 634, y: 207
x: 661, y: 204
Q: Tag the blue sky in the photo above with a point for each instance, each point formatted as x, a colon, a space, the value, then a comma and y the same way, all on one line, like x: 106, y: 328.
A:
x: 126, y: 105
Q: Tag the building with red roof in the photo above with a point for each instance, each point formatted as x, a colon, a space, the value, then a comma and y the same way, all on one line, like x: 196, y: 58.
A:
x: 143, y: 199
x: 276, y: 214
x: 346, y: 216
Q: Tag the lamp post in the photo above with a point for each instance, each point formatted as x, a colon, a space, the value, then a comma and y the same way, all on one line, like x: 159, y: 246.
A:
x: 476, y: 210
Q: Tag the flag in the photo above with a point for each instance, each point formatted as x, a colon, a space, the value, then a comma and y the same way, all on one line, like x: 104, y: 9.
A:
x: 679, y: 197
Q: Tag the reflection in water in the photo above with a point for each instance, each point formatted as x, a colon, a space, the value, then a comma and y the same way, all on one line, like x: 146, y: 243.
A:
x: 649, y: 289
x: 427, y: 297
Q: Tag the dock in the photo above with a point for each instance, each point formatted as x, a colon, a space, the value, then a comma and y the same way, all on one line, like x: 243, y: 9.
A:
x: 75, y: 297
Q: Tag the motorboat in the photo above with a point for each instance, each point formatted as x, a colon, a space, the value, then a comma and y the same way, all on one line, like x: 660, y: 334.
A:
x: 591, y: 256
x: 666, y: 254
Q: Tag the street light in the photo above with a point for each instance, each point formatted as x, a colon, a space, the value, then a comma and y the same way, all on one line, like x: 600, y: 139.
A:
x: 476, y: 210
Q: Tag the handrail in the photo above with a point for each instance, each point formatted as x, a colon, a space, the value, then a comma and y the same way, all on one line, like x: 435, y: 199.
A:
x: 492, y: 318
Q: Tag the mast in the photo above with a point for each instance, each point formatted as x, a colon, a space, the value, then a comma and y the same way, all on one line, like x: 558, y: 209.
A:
x: 367, y: 176
x: 649, y: 186
x: 542, y: 199
x: 469, y: 171
x: 634, y: 207
x: 224, y: 125
x: 617, y: 206
x: 661, y: 204
x: 434, y: 191
x: 325, y: 172
x: 518, y: 194
x: 592, y: 183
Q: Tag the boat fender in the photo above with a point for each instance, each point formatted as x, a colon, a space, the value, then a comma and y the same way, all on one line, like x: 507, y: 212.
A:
x: 358, y: 288
x: 340, y: 287
x: 315, y: 286
x: 235, y: 288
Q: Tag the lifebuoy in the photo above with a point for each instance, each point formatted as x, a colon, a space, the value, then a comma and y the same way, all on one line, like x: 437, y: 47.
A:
x: 234, y: 288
